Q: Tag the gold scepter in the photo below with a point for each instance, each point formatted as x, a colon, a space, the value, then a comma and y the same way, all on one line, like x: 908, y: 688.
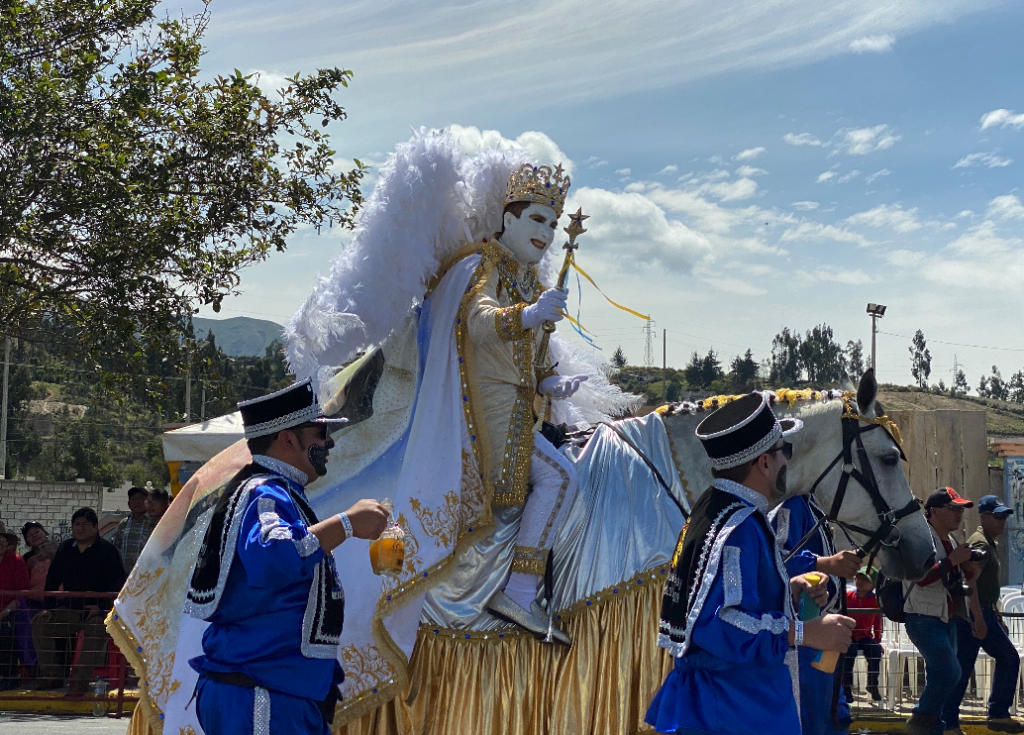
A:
x: 574, y: 230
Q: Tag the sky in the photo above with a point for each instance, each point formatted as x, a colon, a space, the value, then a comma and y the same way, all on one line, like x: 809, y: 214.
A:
x: 747, y: 166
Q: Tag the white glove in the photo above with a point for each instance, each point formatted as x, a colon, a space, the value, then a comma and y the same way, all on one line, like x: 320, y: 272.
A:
x: 546, y: 309
x: 557, y: 386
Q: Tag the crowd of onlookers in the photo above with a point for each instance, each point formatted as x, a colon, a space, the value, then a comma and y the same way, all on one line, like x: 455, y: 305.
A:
x: 39, y: 633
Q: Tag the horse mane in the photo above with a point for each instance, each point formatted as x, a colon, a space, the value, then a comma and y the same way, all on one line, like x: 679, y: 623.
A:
x: 784, y: 397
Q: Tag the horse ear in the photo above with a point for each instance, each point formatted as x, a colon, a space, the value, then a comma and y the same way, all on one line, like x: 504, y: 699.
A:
x: 846, y: 383
x: 867, y: 391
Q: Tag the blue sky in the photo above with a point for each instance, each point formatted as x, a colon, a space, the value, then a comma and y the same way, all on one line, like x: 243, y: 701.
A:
x: 746, y: 165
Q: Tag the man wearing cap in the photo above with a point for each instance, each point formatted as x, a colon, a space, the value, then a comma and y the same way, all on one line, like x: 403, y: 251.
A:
x: 995, y: 642
x: 867, y: 636
x: 266, y: 581
x: 728, y: 609
x: 932, y: 603
x: 133, y: 531
x: 797, y: 517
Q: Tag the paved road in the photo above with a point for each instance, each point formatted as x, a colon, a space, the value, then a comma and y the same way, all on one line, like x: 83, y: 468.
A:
x: 31, y: 724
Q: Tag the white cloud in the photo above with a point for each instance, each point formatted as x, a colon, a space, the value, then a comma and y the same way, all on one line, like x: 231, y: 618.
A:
x: 964, y: 213
x: 749, y: 154
x: 805, y: 206
x: 750, y: 171
x: 825, y: 176
x: 816, y: 232
x: 988, y: 160
x: 734, y: 285
x: 801, y: 139
x: 979, y: 258
x: 862, y: 141
x: 728, y: 191
x: 848, y: 177
x: 1005, y: 207
x: 540, y: 147
x: 877, y: 174
x: 892, y: 216
x: 670, y: 169
x: 631, y: 225
x: 833, y: 275
x: 595, y: 162
x: 623, y: 171
x: 873, y: 44
x: 905, y: 258
x: 269, y: 82
x: 1003, y: 118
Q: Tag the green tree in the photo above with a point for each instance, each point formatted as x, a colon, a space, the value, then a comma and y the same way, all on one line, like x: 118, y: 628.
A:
x: 854, y: 358
x: 619, y: 358
x: 920, y: 359
x: 743, y: 372
x: 701, y: 372
x: 960, y: 384
x: 784, y: 364
x: 993, y: 386
x: 132, y: 187
x: 821, y: 356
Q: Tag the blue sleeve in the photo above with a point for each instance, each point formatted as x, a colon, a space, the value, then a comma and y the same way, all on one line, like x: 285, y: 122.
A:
x: 735, y: 624
x: 801, y: 563
x: 274, y: 544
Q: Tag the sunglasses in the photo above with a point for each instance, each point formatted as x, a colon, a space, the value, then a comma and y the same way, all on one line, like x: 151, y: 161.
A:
x: 786, y: 449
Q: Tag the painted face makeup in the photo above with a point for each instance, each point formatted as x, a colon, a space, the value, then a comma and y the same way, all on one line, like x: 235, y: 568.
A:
x: 529, y: 235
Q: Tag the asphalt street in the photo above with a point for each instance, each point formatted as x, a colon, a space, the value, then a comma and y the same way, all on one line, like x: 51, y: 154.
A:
x: 14, y: 723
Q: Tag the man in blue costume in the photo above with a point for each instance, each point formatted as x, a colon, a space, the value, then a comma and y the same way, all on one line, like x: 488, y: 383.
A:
x: 266, y: 580
x: 728, y: 612
x: 797, y: 517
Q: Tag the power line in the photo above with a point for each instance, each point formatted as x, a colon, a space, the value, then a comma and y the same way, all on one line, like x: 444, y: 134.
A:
x: 958, y: 344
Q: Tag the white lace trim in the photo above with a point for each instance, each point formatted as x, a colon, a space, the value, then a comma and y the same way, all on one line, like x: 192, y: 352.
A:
x: 306, y: 545
x: 732, y: 578
x: 749, y: 624
x: 261, y: 712
x: 283, y: 422
x: 743, y: 492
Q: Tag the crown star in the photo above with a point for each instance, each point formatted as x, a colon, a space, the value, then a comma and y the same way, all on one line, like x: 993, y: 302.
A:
x: 539, y: 185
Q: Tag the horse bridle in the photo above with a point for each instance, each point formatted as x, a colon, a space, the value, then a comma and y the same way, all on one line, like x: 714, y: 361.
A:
x: 887, y: 517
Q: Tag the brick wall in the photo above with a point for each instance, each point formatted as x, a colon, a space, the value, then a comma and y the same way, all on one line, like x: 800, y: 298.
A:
x: 50, y: 503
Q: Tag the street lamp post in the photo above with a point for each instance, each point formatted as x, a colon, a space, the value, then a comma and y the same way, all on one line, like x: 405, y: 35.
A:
x: 877, y: 311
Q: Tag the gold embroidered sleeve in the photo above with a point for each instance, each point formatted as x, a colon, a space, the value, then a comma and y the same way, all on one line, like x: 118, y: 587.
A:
x: 508, y: 322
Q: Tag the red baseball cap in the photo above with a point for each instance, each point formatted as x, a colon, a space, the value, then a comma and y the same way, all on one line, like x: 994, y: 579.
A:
x: 947, y: 496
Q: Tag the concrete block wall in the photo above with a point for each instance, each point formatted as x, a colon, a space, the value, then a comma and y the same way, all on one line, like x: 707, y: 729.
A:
x: 50, y: 503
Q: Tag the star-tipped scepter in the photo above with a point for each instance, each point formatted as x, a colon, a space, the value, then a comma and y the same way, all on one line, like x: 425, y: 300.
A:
x: 574, y: 230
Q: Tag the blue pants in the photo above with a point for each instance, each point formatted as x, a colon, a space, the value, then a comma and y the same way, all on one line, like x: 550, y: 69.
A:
x: 936, y: 641
x: 997, y: 645
x: 226, y: 709
x: 816, y: 698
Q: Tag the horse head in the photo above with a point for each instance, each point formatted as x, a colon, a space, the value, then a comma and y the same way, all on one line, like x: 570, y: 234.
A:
x: 906, y: 551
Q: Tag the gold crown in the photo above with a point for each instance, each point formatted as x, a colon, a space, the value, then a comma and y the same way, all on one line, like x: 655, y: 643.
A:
x: 538, y: 185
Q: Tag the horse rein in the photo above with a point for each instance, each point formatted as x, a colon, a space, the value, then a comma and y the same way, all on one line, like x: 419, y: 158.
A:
x: 888, y: 518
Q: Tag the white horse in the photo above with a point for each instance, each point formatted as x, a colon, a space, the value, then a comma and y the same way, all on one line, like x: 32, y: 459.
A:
x: 908, y: 551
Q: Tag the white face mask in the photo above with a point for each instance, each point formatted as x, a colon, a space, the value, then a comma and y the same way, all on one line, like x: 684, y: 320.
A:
x: 529, y: 235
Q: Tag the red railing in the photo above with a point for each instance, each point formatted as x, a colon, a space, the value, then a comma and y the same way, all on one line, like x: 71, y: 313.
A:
x: 24, y: 630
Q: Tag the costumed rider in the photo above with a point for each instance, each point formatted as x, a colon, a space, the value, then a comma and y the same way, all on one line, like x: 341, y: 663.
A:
x: 793, y: 521
x: 728, y: 613
x: 504, y: 316
x: 266, y: 580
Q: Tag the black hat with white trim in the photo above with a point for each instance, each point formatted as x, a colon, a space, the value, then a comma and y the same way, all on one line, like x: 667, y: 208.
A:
x: 742, y: 430
x: 287, y: 408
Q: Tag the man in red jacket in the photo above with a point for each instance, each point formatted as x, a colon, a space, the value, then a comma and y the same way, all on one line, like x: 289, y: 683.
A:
x: 867, y: 635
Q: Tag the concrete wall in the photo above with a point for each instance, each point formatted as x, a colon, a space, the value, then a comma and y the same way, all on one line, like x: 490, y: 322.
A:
x: 50, y: 503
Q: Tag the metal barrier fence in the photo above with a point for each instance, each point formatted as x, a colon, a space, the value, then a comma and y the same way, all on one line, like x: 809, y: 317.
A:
x: 901, y: 675
x: 56, y: 643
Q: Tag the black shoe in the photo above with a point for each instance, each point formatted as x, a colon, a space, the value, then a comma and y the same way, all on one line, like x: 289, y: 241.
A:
x: 922, y: 724
x: 1004, y: 724
x: 875, y: 694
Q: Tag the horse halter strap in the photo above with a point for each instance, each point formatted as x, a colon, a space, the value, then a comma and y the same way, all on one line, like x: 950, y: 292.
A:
x: 887, y: 517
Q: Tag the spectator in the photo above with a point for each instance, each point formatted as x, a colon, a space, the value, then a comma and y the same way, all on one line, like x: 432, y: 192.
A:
x: 38, y: 559
x: 157, y: 503
x: 83, y: 563
x: 996, y: 643
x: 867, y: 635
x: 133, y: 531
x: 13, y: 578
x: 930, y: 604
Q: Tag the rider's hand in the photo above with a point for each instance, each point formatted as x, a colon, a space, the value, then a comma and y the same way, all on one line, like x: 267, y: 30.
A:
x: 817, y: 590
x: 959, y: 555
x: 547, y: 308
x: 557, y: 386
x: 980, y: 628
x: 829, y: 633
x: 368, y: 518
x: 845, y: 564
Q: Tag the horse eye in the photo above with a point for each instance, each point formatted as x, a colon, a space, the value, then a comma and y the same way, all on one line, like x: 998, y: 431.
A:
x: 891, y: 460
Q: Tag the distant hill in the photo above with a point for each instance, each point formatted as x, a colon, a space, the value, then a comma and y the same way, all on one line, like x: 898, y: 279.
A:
x: 1002, y: 418
x: 240, y: 336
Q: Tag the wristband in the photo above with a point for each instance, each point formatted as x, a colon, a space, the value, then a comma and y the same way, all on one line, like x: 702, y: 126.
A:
x: 798, y: 633
x: 346, y: 524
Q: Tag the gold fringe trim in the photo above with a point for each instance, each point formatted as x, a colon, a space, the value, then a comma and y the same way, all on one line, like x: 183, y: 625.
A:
x: 128, y: 644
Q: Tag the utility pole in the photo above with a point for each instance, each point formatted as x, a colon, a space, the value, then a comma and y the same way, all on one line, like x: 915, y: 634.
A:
x: 188, y: 390
x: 664, y: 365
x: 202, y: 406
x: 3, y: 409
x: 649, y: 345
x: 877, y: 311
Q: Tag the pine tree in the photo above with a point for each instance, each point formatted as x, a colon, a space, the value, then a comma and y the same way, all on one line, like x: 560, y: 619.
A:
x: 920, y: 359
